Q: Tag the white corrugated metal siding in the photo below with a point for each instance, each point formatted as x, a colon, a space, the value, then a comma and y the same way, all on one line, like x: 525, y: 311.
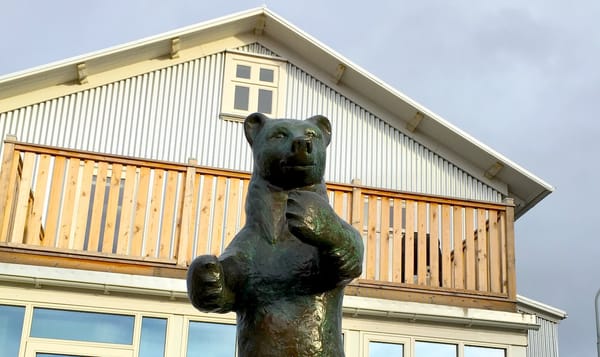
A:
x: 543, y: 342
x: 173, y: 114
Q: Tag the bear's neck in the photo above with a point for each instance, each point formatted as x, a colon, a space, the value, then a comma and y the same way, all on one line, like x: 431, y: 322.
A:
x: 266, y: 206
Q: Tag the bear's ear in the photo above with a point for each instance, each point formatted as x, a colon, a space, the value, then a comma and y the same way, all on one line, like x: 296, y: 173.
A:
x: 252, y: 125
x: 322, y: 123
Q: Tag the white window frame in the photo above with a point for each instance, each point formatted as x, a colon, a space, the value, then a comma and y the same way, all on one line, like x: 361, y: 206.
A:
x: 35, y: 346
x: 386, y: 338
x: 255, y: 62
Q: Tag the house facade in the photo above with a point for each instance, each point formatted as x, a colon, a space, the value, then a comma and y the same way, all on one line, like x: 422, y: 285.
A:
x: 119, y: 167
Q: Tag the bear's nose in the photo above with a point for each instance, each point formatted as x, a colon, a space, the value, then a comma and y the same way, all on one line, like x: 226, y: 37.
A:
x: 302, y: 145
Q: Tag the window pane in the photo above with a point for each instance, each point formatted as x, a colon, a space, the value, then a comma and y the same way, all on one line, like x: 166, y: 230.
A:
x: 82, y: 326
x: 380, y: 349
x: 266, y: 75
x: 241, y: 98
x: 474, y: 351
x: 152, y: 342
x: 425, y: 349
x: 215, y: 340
x: 265, y: 101
x: 242, y: 71
x: 52, y: 355
x: 11, y: 326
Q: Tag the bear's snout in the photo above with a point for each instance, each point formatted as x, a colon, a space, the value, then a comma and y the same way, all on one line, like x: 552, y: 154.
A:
x: 302, y: 145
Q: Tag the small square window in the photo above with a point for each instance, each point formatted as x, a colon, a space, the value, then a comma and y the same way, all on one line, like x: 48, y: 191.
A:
x: 253, y: 83
x: 243, y: 71
x: 266, y: 75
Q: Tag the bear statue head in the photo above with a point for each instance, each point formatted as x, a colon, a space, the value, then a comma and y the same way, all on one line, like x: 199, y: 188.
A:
x: 288, y: 153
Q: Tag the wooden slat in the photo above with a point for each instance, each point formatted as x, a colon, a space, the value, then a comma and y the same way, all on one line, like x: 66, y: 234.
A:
x: 372, y: 238
x: 204, y: 222
x: 68, y: 208
x: 187, y: 219
x: 338, y: 204
x: 34, y: 224
x: 233, y: 207
x: 8, y: 180
x: 217, y: 223
x: 458, y: 252
x: 124, y: 237
x: 397, y: 247
x: 22, y: 205
x: 357, y: 207
x: 179, y: 220
x: 384, y: 243
x: 139, y: 218
x: 81, y: 216
x: 154, y: 214
x: 504, y: 263
x: 56, y: 188
x: 470, y: 273
x: 409, y: 246
x: 494, y: 253
x: 421, y: 253
x: 446, y: 247
x: 97, y: 208
x: 244, y: 194
x: 112, y: 206
x: 434, y: 245
x: 168, y: 216
x: 482, y: 252
x: 195, y: 219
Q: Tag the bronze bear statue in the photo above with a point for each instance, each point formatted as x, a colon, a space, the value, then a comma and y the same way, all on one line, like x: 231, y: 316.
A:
x: 284, y: 273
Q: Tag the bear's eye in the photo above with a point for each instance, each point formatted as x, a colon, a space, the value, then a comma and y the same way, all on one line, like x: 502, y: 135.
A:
x: 278, y: 135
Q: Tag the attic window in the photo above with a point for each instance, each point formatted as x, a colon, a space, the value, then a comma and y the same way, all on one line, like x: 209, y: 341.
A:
x: 252, y: 84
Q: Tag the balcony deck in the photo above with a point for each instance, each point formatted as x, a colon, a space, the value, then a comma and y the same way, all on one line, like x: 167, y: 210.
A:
x: 85, y: 210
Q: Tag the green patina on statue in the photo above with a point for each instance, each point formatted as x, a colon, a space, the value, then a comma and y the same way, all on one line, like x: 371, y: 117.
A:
x: 285, y: 271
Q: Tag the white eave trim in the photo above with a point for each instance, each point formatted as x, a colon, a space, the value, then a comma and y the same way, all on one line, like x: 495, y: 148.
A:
x: 41, y: 277
x: 538, y: 308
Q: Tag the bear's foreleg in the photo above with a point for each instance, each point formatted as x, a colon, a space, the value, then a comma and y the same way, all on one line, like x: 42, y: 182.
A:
x: 206, y: 285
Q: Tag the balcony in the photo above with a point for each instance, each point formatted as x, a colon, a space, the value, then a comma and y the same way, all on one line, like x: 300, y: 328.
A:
x: 93, y: 211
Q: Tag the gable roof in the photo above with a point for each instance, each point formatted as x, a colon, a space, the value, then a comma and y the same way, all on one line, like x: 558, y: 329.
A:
x: 264, y: 25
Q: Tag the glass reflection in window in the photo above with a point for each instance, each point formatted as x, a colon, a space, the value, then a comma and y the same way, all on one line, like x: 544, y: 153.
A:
x: 476, y: 351
x: 265, y: 101
x: 11, y: 326
x: 82, y: 326
x: 153, y: 339
x: 382, y: 349
x: 208, y: 339
x: 426, y: 349
x: 241, y: 98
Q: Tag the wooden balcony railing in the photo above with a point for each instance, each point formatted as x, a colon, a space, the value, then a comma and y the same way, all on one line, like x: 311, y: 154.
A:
x: 68, y: 202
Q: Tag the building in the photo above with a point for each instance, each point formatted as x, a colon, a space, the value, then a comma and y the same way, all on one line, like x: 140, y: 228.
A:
x: 120, y: 166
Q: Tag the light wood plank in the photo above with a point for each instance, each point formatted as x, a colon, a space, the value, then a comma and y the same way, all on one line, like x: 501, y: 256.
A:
x: 470, y: 266
x: 81, y: 220
x: 168, y: 217
x: 54, y: 203
x: 124, y: 237
x: 187, y: 218
x: 154, y: 214
x: 68, y: 209
x: 503, y: 257
x: 434, y: 245
x: 195, y: 211
x: 139, y: 219
x: 409, y: 243
x: 459, y: 282
x: 216, y: 237
x: 98, y: 208
x: 233, y: 207
x: 205, y: 210
x: 8, y: 180
x: 384, y: 243
x: 397, y: 244
x: 511, y: 271
x: 112, y: 206
x: 421, y: 253
x: 446, y: 247
x: 34, y: 224
x: 494, y: 254
x: 482, y: 252
x: 372, y: 238
x: 22, y: 203
x: 338, y: 205
x: 244, y: 194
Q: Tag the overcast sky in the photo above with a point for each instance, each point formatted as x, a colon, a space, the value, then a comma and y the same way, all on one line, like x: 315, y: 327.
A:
x: 521, y: 76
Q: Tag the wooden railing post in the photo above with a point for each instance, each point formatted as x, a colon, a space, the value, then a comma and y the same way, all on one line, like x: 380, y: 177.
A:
x: 510, y: 249
x: 187, y: 221
x: 7, y: 173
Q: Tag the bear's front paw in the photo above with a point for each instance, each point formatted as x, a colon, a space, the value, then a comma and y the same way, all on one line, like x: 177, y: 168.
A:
x: 205, y: 283
x: 310, y: 217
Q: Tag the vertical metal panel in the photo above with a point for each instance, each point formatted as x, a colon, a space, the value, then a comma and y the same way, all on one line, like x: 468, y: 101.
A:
x: 543, y: 342
x: 173, y: 114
